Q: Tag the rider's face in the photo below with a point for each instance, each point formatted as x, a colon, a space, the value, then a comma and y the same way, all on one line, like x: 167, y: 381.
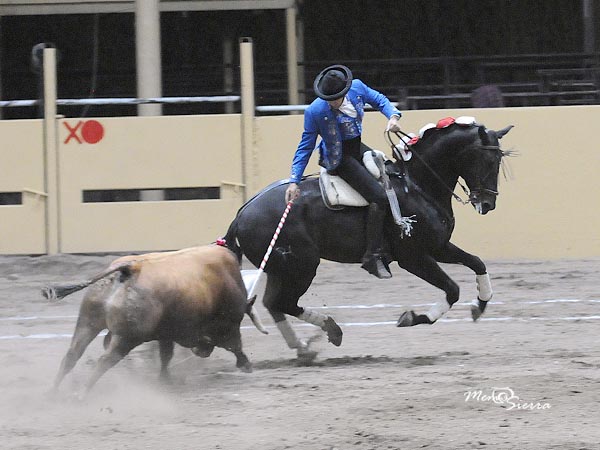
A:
x: 335, y: 104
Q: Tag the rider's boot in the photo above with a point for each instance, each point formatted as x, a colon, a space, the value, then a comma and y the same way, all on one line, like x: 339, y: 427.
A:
x: 373, y: 260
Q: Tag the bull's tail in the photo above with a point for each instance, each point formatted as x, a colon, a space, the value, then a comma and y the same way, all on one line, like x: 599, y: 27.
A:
x: 59, y: 291
x: 253, y: 314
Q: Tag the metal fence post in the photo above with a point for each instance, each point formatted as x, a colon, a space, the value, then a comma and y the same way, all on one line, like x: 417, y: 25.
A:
x: 249, y: 163
x: 292, y: 55
x: 51, y: 152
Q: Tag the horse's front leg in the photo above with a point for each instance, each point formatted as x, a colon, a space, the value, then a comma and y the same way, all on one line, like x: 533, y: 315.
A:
x: 426, y: 268
x: 452, y: 254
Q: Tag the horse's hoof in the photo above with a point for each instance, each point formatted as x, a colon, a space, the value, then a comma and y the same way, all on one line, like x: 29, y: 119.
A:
x: 477, y: 309
x: 334, y: 332
x: 475, y: 313
x: 306, y: 355
x: 406, y: 319
x: 376, y: 266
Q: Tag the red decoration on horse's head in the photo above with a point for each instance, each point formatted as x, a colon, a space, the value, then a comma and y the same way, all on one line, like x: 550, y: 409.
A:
x: 413, y: 141
x: 446, y: 122
x: 222, y: 242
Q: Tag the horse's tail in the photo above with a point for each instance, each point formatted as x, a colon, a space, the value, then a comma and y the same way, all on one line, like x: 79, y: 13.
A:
x: 231, y: 241
x: 230, y: 238
x: 59, y: 291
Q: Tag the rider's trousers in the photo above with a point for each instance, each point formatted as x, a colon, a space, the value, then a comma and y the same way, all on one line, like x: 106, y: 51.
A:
x: 356, y: 174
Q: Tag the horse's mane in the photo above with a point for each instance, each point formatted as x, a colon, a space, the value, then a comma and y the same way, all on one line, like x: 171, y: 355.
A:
x: 432, y: 136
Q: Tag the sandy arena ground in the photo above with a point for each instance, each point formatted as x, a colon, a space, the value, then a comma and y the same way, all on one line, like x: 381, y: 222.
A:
x: 428, y: 387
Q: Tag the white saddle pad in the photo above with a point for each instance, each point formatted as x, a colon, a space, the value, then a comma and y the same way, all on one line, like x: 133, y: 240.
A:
x: 337, y: 193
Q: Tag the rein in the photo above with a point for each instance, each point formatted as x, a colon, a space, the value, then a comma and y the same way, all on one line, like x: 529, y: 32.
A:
x: 435, y: 174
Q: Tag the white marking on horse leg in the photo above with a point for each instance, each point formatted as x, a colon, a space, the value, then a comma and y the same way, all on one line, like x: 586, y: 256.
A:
x: 289, y: 335
x: 438, y: 310
x: 313, y: 317
x: 484, y: 287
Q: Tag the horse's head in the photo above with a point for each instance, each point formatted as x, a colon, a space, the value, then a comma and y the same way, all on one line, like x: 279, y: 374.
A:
x: 455, y: 149
x: 479, y: 165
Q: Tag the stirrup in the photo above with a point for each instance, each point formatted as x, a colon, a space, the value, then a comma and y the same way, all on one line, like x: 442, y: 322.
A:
x: 375, y: 265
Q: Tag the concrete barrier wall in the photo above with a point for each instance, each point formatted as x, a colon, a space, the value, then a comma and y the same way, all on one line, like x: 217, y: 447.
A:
x: 549, y: 209
x: 22, y: 226
x: 150, y: 154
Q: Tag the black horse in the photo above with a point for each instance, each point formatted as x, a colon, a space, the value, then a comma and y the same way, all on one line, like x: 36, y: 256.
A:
x: 424, y: 187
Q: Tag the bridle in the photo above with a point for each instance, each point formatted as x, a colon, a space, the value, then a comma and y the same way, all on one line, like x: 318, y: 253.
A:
x: 472, y: 195
x: 481, y: 190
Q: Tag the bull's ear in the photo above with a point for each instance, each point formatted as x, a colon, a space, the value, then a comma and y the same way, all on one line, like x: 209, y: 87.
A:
x: 503, y: 131
x: 485, y: 139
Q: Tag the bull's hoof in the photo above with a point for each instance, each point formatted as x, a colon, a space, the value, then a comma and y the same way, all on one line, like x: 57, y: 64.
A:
x: 334, y: 332
x: 477, y: 309
x: 79, y: 396
x: 247, y: 367
x: 165, y: 377
x: 203, y: 351
x: 407, y: 319
x: 52, y: 394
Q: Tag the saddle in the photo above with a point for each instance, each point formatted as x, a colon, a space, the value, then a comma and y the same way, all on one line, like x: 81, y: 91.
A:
x: 337, y: 193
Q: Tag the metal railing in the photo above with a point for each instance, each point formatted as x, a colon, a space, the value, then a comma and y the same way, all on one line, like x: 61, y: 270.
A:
x: 126, y: 101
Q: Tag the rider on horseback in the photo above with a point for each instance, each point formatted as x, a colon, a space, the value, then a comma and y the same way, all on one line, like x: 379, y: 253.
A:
x: 336, y: 115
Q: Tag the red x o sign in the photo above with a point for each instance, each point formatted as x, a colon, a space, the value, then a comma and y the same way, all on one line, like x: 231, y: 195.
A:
x: 88, y: 131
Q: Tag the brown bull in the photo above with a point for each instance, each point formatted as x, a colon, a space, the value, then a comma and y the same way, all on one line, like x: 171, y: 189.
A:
x: 194, y: 297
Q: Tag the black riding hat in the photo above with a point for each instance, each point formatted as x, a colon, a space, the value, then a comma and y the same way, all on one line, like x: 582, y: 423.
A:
x: 333, y: 82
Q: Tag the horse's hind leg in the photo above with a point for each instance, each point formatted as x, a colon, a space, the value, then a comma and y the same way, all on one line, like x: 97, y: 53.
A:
x: 426, y: 268
x: 452, y: 254
x: 281, y: 297
x: 283, y: 325
x: 272, y: 293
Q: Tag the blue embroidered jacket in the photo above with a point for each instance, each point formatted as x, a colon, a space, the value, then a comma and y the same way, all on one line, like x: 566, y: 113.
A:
x: 319, y: 119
